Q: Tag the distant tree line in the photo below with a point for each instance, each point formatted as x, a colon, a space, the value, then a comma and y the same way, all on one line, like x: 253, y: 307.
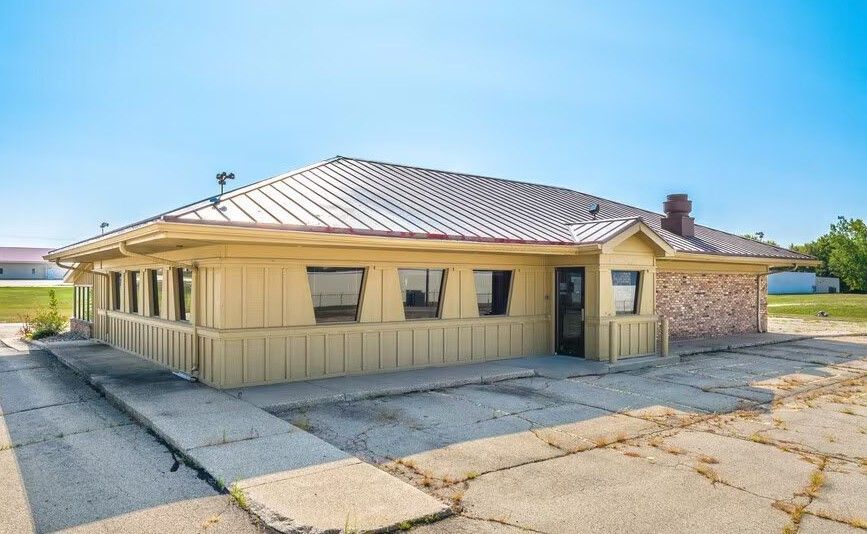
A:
x: 843, y: 251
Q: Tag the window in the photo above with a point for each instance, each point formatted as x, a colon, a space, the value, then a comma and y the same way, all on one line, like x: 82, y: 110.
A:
x: 134, y: 284
x: 492, y: 291
x: 1, y: 270
x: 185, y: 293
x: 421, y: 292
x: 117, y: 290
x: 156, y: 282
x: 32, y: 271
x: 625, y: 291
x: 335, y: 292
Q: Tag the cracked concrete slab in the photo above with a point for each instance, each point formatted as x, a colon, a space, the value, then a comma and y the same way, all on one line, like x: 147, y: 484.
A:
x: 816, y: 525
x: 52, y: 422
x: 604, y: 491
x: 467, y: 525
x: 468, y: 458
x: 346, y: 495
x: 13, y: 360
x: 29, y: 389
x: 758, y: 468
x: 670, y: 394
x: 253, y: 449
x: 244, y: 461
x: 843, y: 495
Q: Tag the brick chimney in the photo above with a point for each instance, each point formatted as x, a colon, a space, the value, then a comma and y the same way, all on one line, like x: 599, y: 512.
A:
x: 677, y: 219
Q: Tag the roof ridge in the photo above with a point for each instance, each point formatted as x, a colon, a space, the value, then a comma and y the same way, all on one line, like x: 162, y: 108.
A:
x: 458, y: 173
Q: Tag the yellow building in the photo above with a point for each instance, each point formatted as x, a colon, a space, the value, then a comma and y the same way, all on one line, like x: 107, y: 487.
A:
x: 354, y: 266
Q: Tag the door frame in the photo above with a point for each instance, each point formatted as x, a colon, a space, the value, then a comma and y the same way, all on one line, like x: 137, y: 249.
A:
x: 557, y: 314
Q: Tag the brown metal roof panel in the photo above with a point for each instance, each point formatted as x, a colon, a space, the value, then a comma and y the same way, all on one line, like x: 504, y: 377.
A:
x: 486, y: 211
x: 396, y: 195
x: 428, y: 198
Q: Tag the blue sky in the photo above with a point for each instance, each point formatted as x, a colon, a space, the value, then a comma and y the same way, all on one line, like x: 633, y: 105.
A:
x: 116, y: 111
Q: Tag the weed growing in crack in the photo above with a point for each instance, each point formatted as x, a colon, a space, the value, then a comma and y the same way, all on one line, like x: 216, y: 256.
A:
x: 706, y: 459
x: 759, y: 438
x: 660, y: 444
x: 604, y: 441
x: 817, y: 479
x: 238, y: 496
x: 471, y: 475
x: 708, y: 472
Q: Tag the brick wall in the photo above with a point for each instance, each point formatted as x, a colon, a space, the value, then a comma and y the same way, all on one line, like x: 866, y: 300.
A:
x: 709, y: 304
x: 81, y: 327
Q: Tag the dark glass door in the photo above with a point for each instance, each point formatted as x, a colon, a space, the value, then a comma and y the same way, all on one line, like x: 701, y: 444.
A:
x: 570, y: 311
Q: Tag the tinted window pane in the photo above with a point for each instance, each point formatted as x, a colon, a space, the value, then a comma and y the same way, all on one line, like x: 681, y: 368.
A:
x: 156, y: 291
x: 492, y: 291
x: 625, y: 291
x: 133, y: 291
x: 185, y: 294
x: 335, y: 293
x: 117, y: 282
x: 421, y: 292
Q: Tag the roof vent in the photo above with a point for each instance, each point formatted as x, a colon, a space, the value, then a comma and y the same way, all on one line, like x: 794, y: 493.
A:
x: 677, y: 219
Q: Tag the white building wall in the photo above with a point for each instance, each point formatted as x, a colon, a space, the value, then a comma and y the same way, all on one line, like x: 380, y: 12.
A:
x: 827, y: 284
x: 31, y: 271
x: 791, y: 283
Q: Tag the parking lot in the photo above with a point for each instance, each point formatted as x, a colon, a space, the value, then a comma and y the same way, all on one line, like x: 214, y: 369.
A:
x: 765, y: 439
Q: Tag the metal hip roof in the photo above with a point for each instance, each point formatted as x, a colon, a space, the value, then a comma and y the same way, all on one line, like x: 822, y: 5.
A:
x: 349, y: 195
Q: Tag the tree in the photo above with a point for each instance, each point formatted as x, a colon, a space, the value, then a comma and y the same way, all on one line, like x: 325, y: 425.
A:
x: 843, y: 251
x: 848, y: 258
x: 760, y: 237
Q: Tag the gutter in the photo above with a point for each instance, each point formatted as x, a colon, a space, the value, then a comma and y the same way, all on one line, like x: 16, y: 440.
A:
x: 194, y: 266
x: 79, y: 269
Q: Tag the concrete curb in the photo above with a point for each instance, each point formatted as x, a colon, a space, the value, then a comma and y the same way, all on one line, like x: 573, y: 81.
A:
x: 332, y: 397
x: 744, y: 345
x: 269, y: 517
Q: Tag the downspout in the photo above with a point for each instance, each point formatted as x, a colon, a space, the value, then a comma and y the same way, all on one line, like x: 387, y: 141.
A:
x: 194, y: 266
x: 759, y: 300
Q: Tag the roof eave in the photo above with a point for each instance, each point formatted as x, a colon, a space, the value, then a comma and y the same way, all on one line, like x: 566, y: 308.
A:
x: 731, y: 258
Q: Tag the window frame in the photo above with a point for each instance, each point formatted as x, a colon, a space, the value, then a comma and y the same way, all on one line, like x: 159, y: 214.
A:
x: 439, y: 308
x: 361, y: 286
x: 508, y: 300
x: 636, y: 300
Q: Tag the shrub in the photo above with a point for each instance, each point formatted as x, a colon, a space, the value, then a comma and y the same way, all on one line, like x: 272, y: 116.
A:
x: 46, y: 322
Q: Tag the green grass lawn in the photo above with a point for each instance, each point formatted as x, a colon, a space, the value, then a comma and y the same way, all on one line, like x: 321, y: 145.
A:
x: 839, y: 306
x: 17, y: 301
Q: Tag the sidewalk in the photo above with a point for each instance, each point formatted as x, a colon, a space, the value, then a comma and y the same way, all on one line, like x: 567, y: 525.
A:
x: 277, y: 398
x: 292, y: 480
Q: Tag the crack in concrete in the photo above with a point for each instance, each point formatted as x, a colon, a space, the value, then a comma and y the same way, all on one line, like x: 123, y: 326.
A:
x: 25, y: 410
x: 67, y: 434
x: 503, y: 522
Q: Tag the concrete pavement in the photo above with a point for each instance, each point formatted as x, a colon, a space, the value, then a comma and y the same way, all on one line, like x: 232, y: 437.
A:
x: 242, y: 446
x: 724, y: 441
x: 71, y: 460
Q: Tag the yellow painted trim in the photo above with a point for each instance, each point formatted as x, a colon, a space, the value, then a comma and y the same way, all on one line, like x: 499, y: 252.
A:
x: 663, y: 248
